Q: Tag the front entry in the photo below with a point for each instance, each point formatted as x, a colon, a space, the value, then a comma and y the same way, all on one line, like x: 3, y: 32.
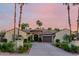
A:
x: 35, y: 37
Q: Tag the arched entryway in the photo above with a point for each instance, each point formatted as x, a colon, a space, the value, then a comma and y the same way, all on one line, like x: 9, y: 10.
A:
x: 36, y: 37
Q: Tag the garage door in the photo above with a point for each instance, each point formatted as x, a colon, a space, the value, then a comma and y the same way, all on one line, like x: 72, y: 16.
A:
x: 47, y: 38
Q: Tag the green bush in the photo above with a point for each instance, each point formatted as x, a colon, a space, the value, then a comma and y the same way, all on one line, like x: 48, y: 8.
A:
x: 57, y: 41
x: 58, y: 44
x: 65, y: 46
x: 74, y: 48
x: 30, y: 38
x: 7, y: 47
x: 4, y: 40
x: 66, y: 38
x: 22, y: 49
x: 10, y: 47
x: 28, y: 45
x: 25, y: 48
x: 4, y: 47
x: 40, y: 39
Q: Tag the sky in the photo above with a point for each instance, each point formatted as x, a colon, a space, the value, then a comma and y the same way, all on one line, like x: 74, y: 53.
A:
x: 52, y: 15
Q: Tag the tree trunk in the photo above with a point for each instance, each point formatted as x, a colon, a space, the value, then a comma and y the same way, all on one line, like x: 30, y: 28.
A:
x: 19, y: 25
x: 14, y: 19
x: 69, y: 22
x: 78, y: 24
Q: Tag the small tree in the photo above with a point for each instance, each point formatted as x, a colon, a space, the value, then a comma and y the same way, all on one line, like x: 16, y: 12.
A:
x: 24, y: 26
x: 39, y: 23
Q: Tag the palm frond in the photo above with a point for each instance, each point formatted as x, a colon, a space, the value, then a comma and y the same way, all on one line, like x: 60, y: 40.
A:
x: 75, y: 3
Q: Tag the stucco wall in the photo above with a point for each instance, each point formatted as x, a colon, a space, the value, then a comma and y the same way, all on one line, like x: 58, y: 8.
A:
x: 11, y: 32
x: 59, y: 35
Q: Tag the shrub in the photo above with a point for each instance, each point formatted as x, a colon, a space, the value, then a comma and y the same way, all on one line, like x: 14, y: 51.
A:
x: 65, y: 46
x: 72, y: 36
x: 22, y: 49
x: 10, y: 47
x: 4, y: 47
x: 31, y: 40
x: 66, y: 38
x: 74, y: 48
x: 58, y: 44
x: 7, y: 47
x: 39, y: 39
x: 28, y: 45
x: 3, y: 40
x: 57, y: 41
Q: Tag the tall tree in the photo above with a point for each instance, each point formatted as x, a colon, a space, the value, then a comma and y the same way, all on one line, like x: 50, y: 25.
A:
x: 39, y: 23
x: 14, y: 19
x: 77, y: 20
x: 20, y: 16
x: 24, y: 26
x: 69, y: 21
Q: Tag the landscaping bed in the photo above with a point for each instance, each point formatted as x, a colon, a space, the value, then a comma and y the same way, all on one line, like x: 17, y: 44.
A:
x: 10, y: 47
x: 68, y: 45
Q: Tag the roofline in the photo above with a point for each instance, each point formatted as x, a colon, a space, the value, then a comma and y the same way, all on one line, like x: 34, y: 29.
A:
x: 13, y: 29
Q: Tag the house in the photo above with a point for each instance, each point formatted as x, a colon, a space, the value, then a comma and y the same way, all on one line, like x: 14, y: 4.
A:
x: 22, y: 36
x: 59, y: 35
x: 43, y: 35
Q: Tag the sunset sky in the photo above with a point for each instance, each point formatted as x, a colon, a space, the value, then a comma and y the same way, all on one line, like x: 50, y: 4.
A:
x: 51, y: 15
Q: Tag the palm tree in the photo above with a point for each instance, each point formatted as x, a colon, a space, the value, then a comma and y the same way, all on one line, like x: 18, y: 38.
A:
x: 19, y: 25
x: 14, y: 19
x: 39, y: 23
x: 69, y: 21
x: 24, y: 26
x: 77, y: 20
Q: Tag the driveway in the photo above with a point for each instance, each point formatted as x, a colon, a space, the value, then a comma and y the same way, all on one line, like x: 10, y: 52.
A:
x: 46, y: 49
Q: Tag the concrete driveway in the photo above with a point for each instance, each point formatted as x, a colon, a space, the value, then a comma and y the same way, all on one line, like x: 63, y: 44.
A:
x: 46, y: 49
